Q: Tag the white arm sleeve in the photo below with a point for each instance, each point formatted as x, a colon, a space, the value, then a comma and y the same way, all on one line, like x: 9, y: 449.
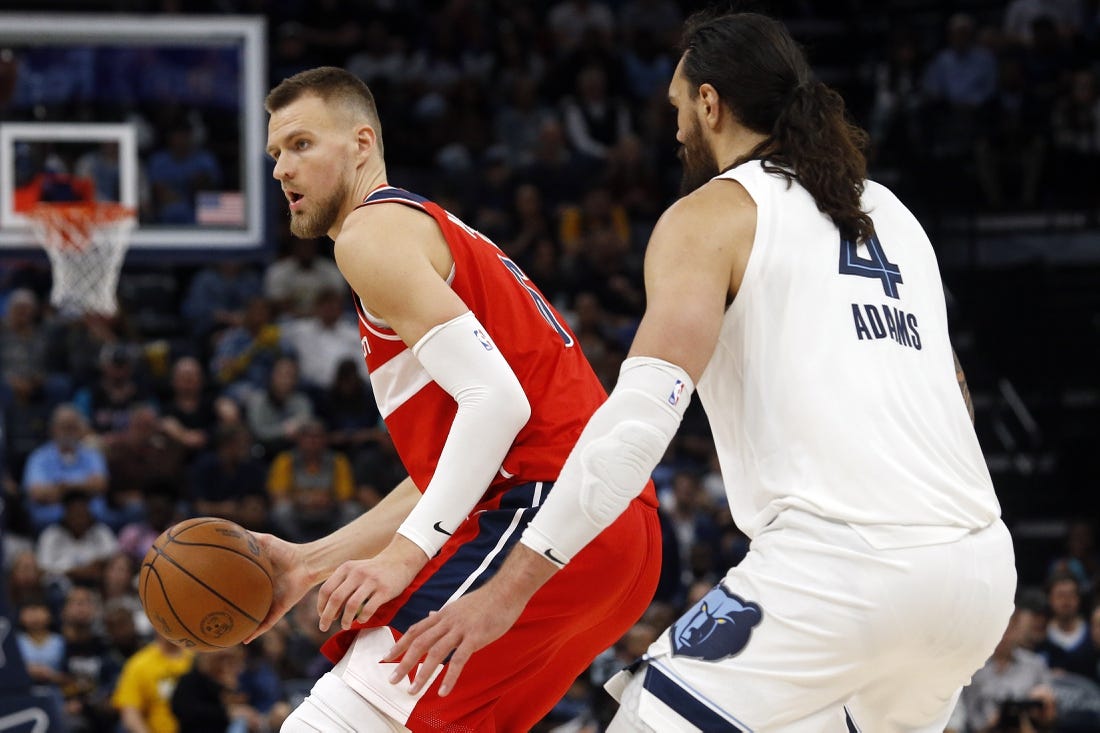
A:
x: 613, y: 459
x: 492, y: 409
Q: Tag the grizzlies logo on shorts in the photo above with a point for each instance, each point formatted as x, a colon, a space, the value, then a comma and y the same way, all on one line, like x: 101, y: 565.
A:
x: 717, y: 627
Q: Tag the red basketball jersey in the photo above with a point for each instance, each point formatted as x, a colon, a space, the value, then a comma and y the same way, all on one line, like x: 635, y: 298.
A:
x: 533, y: 337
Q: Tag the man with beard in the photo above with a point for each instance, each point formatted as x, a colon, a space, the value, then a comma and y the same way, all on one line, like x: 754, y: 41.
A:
x: 484, y: 390
x: 879, y: 576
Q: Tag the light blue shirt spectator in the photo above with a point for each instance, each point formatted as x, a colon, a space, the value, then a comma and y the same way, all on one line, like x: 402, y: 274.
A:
x: 64, y: 463
x: 176, y: 174
x: 963, y: 74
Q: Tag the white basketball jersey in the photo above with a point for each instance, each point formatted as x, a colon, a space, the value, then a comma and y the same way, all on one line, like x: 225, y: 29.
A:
x: 832, y: 388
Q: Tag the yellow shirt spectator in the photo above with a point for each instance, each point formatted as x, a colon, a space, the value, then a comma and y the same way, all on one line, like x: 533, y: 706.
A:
x: 311, y: 486
x: 143, y: 694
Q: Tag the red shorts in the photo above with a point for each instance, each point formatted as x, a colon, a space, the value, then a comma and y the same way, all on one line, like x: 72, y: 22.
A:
x: 583, y: 610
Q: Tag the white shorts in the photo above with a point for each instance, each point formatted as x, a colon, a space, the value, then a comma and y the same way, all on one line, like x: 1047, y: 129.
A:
x: 815, y: 630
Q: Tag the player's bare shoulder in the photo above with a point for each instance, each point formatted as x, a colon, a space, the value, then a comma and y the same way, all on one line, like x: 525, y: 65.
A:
x: 389, y: 235
x: 714, y: 226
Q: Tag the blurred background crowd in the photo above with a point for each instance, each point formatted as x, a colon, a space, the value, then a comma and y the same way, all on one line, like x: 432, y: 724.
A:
x: 237, y: 387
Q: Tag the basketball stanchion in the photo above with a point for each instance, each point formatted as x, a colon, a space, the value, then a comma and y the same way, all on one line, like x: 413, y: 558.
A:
x: 86, y: 242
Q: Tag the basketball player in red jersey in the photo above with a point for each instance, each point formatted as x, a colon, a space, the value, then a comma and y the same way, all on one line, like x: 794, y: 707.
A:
x: 484, y: 390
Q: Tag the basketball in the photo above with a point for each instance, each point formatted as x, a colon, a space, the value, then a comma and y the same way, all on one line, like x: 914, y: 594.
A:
x: 205, y: 584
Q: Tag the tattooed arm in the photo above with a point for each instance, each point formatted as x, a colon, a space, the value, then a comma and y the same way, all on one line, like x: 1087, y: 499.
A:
x: 962, y: 386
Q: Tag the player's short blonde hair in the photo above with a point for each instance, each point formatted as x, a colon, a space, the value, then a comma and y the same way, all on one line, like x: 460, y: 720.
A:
x: 333, y: 85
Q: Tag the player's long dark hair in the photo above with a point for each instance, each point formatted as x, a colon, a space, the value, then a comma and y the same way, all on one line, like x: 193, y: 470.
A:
x: 762, y: 75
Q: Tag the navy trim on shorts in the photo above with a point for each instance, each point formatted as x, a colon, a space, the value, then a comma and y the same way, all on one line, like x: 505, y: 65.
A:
x: 468, y: 558
x: 687, y: 705
x: 852, y: 728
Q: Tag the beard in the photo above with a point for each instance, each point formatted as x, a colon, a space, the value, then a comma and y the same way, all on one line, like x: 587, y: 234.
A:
x: 317, y: 223
x: 698, y: 160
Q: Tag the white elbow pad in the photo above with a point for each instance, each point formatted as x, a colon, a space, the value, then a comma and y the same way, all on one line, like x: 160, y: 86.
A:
x: 613, y: 459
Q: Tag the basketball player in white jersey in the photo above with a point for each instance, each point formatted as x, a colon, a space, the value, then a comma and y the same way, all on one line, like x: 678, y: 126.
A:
x: 805, y: 305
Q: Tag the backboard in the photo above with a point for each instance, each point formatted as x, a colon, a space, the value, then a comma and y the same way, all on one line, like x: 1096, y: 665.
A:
x: 161, y: 113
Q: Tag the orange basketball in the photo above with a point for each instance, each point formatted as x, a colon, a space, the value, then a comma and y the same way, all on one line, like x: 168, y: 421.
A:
x: 205, y: 584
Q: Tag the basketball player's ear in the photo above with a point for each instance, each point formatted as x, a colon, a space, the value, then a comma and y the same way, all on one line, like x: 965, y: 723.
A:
x: 710, y: 106
x: 366, y: 139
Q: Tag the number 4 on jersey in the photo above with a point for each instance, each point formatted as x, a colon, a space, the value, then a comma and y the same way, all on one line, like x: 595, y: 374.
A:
x: 874, y: 266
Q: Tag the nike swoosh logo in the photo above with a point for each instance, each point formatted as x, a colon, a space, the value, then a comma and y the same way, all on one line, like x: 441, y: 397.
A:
x: 438, y: 527
x: 550, y: 555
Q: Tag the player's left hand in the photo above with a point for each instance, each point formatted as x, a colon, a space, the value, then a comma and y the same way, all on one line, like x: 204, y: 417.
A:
x: 462, y: 627
x: 358, y: 588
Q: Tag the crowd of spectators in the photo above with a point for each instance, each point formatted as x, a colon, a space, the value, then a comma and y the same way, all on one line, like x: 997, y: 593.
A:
x: 545, y: 126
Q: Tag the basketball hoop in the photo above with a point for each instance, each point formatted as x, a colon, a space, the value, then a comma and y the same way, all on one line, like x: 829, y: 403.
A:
x: 86, y: 242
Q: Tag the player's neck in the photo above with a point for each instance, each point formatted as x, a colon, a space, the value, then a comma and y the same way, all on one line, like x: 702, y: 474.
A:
x: 366, y: 180
x: 736, y: 145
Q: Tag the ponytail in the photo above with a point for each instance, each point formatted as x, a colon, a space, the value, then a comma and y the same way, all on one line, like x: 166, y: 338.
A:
x: 812, y: 141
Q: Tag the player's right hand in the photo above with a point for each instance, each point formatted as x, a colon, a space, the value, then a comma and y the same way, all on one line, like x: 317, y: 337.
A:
x: 291, y: 578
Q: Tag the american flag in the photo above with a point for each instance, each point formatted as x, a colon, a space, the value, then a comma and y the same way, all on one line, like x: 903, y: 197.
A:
x: 220, y: 207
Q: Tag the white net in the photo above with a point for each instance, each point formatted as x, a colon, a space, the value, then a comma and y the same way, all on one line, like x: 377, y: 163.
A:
x: 86, y: 244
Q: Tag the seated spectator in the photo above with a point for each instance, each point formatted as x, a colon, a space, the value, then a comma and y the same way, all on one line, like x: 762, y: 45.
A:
x: 137, y: 537
x: 597, y: 211
x: 43, y: 650
x: 293, y: 283
x: 261, y: 684
x: 143, y: 695
x: 553, y: 169
x: 23, y: 356
x: 349, y: 410
x: 190, y: 414
x: 1067, y: 644
x: 85, y: 651
x: 894, y: 124
x: 1010, y: 142
x: 311, y: 487
x: 518, y: 118
x: 595, y: 121
x: 74, y: 346
x: 121, y: 641
x: 1081, y: 559
x: 217, y: 297
x: 222, y: 478
x: 304, y: 640
x: 323, y: 340
x: 603, y: 264
x: 65, y: 463
x: 691, y: 517
x: 244, y: 355
x: 208, y: 696
x: 276, y: 414
x: 529, y: 223
x: 140, y: 456
x: 631, y: 179
x: 959, y: 80
x: 108, y: 402
x: 1011, y: 674
x: 78, y: 546
x: 28, y: 584
x: 377, y: 470
x: 25, y: 419
x: 118, y: 588
x: 176, y: 172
